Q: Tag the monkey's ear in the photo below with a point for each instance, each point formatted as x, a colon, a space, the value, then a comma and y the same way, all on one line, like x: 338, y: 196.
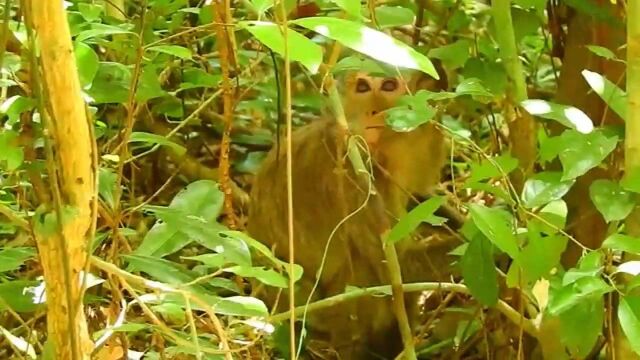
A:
x: 422, y: 81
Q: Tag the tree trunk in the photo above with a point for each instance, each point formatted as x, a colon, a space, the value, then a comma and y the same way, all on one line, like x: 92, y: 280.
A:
x: 63, y: 252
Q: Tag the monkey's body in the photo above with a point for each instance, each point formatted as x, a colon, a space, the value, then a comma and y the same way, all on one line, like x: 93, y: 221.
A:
x: 326, y: 192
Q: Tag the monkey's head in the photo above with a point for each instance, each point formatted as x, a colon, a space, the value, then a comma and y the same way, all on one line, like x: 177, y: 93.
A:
x: 367, y: 97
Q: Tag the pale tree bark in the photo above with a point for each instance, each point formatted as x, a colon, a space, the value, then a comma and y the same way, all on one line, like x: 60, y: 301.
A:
x: 63, y: 252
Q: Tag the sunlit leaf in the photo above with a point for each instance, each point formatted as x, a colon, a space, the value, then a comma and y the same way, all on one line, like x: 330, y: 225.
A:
x: 545, y: 187
x: 87, y: 61
x: 300, y: 48
x: 363, y: 39
x: 568, y: 116
x: 19, y: 343
x: 612, y: 95
x: 629, y: 267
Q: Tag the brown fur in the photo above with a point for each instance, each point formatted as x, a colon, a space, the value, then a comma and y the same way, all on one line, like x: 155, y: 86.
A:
x: 325, y: 192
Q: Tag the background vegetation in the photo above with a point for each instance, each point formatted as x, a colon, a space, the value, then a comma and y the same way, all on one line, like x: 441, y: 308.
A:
x: 131, y: 131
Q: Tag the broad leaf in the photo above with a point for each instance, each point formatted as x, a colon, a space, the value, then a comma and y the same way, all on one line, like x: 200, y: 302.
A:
x: 479, y: 272
x: 568, y: 116
x: 154, y: 139
x: 629, y: 316
x: 581, y: 326
x: 392, y: 16
x: 300, y: 48
x: 174, y: 50
x: 622, y: 242
x: 613, y: 202
x: 11, y: 258
x: 612, y: 95
x: 409, y: 222
x: 376, y: 44
x: 544, y: 188
x: 582, y: 152
x: 497, y: 226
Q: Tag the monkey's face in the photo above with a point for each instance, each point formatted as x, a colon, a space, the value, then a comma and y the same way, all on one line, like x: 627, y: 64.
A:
x: 367, y: 97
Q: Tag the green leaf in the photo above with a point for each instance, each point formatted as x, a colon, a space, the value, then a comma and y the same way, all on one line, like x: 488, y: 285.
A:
x: 581, y: 326
x: 16, y: 295
x: 541, y: 255
x: 479, y: 272
x: 491, y: 168
x: 11, y: 155
x: 544, y: 188
x: 602, y: 52
x: 88, y: 63
x: 552, y: 217
x: 266, y: 276
x: 240, y: 306
x: 474, y: 88
x: 411, y: 112
x: 582, y: 152
x: 452, y: 55
x: 202, y: 198
x: 11, y: 258
x: 111, y: 84
x: 261, y: 6
x: 195, y: 78
x: 392, y: 16
x: 497, y: 226
x: 351, y: 7
x: 629, y: 316
x: 622, y: 242
x: 410, y: 221
x: 301, y: 49
x: 611, y: 200
x: 153, y: 139
x: 265, y: 251
x: 584, y: 289
x: 612, y: 95
x: 149, y: 85
x: 568, y: 116
x: 491, y: 74
x: 162, y: 240
x: 365, y: 40
x: 163, y: 270
x: 90, y: 12
x: 100, y: 31
x: 16, y: 105
x: 107, y: 185
x: 180, y: 52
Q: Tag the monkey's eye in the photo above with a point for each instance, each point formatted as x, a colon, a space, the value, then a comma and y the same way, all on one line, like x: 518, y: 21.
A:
x: 389, y: 85
x: 362, y: 86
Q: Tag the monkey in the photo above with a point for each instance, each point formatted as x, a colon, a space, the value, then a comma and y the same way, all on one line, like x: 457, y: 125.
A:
x: 330, y: 205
